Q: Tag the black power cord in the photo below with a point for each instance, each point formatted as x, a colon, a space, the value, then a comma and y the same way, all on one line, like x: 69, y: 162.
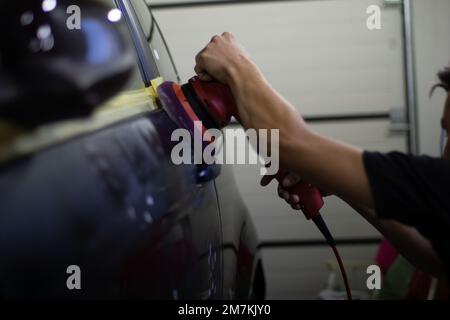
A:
x: 322, y: 226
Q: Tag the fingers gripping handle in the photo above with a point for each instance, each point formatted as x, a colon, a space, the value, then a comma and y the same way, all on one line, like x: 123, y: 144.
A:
x: 311, y: 200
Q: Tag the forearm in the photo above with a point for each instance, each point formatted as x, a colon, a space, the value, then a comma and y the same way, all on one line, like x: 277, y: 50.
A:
x: 407, y: 241
x: 326, y: 163
x: 259, y: 105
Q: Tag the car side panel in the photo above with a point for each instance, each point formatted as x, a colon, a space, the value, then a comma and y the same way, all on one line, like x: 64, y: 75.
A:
x: 113, y: 204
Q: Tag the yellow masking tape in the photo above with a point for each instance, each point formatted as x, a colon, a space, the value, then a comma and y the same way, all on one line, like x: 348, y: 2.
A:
x: 156, y: 83
x: 124, y: 104
x: 152, y: 90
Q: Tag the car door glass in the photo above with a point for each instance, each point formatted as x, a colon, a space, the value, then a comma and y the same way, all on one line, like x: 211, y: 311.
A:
x: 132, y: 93
x: 144, y: 16
x: 162, y: 55
x: 156, y: 41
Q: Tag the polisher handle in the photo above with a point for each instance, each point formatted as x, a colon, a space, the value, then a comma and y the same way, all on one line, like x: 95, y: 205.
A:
x: 311, y: 200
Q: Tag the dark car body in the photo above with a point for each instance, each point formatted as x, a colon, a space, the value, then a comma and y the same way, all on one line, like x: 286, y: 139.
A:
x: 109, y: 201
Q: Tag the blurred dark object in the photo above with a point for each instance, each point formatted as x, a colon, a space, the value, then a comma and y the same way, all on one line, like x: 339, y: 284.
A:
x: 109, y: 200
x: 52, y: 69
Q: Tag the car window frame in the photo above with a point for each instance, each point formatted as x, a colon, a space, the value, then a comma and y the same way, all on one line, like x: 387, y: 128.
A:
x: 146, y: 62
x: 157, y: 28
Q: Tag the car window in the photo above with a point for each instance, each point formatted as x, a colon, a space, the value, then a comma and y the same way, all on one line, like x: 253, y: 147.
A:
x: 132, y: 93
x: 156, y: 41
x: 144, y: 16
x: 135, y: 81
x: 162, y: 55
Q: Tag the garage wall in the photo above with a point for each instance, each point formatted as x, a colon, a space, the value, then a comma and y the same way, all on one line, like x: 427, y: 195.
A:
x: 431, y: 29
x: 320, y: 55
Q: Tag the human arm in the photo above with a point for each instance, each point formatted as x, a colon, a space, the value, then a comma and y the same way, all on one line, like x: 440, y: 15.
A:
x: 261, y: 107
x: 411, y: 190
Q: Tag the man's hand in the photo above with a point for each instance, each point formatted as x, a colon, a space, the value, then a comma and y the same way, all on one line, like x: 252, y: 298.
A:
x: 221, y: 59
x: 290, y: 180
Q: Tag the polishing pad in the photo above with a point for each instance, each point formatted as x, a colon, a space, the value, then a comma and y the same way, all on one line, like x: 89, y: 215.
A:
x: 178, y: 108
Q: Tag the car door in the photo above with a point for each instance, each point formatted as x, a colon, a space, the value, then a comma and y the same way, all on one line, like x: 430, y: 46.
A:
x: 102, y: 196
x: 202, y: 215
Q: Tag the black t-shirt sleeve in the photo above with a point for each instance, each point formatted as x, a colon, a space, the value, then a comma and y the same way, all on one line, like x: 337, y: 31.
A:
x: 414, y: 190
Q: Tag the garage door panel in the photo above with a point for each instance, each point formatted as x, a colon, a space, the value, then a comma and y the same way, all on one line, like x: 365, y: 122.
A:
x: 316, y: 53
x: 275, y: 220
x: 301, y: 273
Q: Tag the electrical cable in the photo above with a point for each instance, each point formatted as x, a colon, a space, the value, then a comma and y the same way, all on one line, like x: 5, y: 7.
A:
x: 322, y: 226
x: 343, y: 272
